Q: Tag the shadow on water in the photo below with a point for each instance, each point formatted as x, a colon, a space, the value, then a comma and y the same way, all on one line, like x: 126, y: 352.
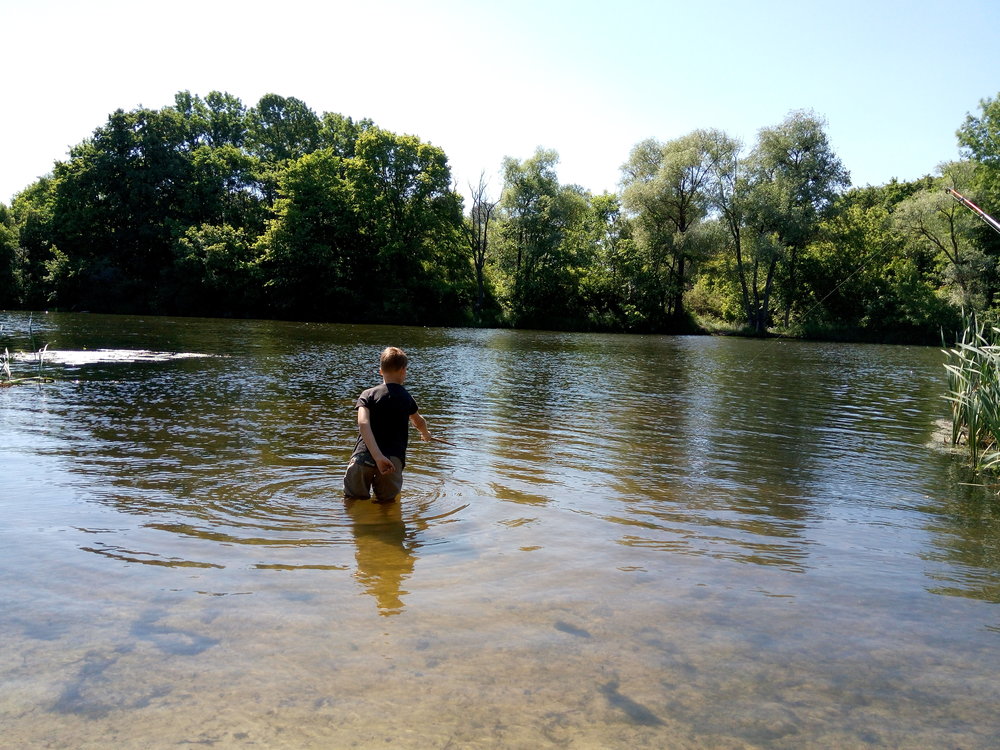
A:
x: 92, y: 692
x: 636, y: 712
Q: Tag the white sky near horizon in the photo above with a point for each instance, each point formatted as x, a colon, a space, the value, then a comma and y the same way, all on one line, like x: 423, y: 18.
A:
x: 894, y: 79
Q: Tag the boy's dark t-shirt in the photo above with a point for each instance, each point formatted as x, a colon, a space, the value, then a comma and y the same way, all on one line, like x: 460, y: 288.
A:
x: 389, y: 407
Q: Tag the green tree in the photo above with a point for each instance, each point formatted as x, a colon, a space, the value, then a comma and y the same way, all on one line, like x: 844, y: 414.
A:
x: 666, y: 189
x: 770, y: 204
x: 374, y: 236
x: 33, y: 214
x: 10, y: 291
x: 862, y: 281
x: 979, y: 139
x: 611, y: 281
x: 749, y: 259
x: 216, y: 272
x: 218, y: 120
x: 340, y: 133
x: 281, y: 129
x: 538, y: 258
x: 313, y: 254
x: 412, y: 221
x: 224, y: 185
x: 939, y: 226
x: 118, y: 202
x: 223, y: 189
x: 794, y: 177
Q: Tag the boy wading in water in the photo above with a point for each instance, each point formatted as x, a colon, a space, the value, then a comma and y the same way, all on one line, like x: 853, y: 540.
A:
x: 384, y: 416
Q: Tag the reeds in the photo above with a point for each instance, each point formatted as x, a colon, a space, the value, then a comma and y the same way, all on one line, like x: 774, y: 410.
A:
x: 973, y: 368
x: 6, y: 375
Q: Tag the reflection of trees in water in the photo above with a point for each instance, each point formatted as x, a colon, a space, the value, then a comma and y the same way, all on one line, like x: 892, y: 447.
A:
x: 964, y: 529
x: 743, y: 438
x: 754, y: 438
x: 545, y: 398
x: 384, y: 551
x: 711, y: 453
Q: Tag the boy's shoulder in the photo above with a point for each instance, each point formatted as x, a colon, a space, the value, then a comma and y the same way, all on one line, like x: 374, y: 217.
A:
x: 373, y: 393
x: 384, y: 390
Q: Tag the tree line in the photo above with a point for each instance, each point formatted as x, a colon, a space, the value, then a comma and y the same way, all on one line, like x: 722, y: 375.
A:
x: 209, y: 207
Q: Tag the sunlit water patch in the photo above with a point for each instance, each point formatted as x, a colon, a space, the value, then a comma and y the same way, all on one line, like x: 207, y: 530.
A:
x: 100, y: 356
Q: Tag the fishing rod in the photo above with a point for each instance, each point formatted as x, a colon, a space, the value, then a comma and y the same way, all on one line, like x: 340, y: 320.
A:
x: 993, y: 223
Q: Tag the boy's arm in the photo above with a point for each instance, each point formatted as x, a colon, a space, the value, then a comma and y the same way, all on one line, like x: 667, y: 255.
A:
x: 365, y: 427
x: 421, y: 424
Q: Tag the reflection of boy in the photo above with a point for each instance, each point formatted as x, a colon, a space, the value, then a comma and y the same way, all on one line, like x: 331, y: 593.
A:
x: 384, y: 414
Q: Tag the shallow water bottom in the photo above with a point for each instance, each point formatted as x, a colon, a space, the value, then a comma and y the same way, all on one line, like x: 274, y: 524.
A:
x: 496, y: 650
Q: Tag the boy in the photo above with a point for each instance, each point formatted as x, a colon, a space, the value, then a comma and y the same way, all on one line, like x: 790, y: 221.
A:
x: 384, y: 414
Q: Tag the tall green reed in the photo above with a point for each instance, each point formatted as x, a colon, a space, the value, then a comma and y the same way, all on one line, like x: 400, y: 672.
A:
x: 973, y: 368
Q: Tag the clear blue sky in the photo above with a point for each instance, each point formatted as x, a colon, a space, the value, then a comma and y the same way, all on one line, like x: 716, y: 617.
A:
x: 487, y: 80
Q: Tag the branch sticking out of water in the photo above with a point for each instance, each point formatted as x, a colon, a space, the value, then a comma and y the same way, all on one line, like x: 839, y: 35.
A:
x: 6, y: 374
x: 41, y: 357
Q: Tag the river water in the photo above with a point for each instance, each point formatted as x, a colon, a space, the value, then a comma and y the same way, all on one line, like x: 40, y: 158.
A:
x: 635, y: 541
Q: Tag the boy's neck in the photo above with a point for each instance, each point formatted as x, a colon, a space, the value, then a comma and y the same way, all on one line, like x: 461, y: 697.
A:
x: 396, y: 377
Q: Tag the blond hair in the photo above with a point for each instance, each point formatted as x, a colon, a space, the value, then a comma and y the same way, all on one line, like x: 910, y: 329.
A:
x: 393, y: 359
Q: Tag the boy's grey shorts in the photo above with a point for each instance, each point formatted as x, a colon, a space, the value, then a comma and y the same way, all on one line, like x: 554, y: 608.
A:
x: 362, y: 476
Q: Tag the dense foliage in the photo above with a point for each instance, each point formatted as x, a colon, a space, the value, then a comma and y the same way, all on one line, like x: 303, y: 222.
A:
x: 210, y: 207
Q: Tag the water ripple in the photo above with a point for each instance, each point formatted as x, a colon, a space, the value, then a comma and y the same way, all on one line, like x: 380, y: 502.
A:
x: 727, y: 449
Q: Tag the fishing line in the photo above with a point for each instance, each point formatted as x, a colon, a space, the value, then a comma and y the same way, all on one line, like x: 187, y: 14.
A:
x: 829, y: 294
x: 989, y: 220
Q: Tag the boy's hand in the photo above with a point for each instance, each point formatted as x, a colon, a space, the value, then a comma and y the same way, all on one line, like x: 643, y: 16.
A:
x: 384, y: 465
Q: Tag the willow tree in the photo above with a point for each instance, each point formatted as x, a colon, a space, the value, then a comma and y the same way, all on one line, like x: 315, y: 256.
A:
x: 793, y: 177
x: 665, y: 189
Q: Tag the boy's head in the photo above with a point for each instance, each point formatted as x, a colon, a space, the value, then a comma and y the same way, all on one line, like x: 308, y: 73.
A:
x: 393, y: 361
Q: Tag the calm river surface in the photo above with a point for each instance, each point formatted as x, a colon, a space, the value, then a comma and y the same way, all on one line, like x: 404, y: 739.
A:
x: 650, y: 542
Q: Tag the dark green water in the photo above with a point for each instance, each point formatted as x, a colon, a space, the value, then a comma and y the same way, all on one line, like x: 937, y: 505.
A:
x: 637, y: 542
